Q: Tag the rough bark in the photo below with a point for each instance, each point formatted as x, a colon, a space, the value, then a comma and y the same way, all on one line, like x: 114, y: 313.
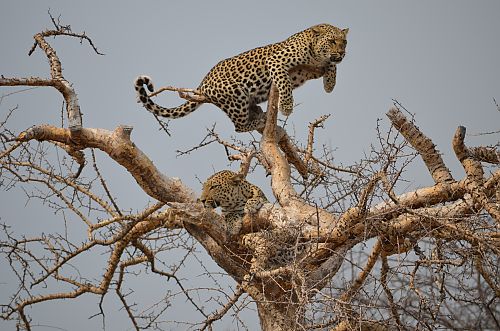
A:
x: 282, y: 291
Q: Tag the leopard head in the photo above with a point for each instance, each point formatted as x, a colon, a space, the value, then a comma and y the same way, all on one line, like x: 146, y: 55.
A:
x: 329, y: 43
x: 220, y: 190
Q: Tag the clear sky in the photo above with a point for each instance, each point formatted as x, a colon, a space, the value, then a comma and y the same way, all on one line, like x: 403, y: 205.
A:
x: 440, y: 59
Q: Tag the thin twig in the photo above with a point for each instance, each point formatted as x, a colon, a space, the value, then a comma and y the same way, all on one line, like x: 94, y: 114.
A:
x: 104, y: 185
x: 219, y: 314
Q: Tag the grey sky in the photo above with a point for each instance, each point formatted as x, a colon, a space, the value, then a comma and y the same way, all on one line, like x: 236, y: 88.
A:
x: 438, y: 58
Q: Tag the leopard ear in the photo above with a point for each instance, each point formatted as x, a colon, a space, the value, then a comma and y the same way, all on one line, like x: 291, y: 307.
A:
x: 345, y: 31
x: 317, y: 29
x: 237, y: 178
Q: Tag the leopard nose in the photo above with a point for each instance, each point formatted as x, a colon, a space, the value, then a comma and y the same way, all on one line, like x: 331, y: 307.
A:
x: 337, y: 57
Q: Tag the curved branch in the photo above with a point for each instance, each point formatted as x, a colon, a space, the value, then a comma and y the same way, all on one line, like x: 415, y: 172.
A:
x: 58, y: 80
x: 119, y: 147
x: 219, y: 314
x: 474, y: 170
x: 358, y: 282
x: 280, y: 169
x: 281, y: 184
x: 318, y: 123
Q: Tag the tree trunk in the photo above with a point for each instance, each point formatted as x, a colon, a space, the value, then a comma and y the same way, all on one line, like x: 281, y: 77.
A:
x: 279, y: 316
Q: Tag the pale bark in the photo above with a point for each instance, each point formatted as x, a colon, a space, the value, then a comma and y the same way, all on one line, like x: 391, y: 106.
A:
x: 424, y: 146
x: 281, y: 292
x: 119, y: 147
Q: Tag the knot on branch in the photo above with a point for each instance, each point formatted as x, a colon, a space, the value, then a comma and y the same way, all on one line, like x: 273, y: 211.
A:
x: 123, y: 132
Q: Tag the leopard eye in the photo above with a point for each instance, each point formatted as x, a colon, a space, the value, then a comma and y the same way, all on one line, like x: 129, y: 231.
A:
x: 214, y: 186
x: 333, y: 42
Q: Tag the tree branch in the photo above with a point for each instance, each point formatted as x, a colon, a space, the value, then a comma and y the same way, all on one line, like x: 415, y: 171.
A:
x: 423, y: 145
x: 475, y: 180
x: 119, y: 147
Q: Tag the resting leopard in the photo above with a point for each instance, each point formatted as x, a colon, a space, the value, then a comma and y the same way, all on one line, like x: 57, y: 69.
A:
x: 238, y: 84
x: 235, y: 195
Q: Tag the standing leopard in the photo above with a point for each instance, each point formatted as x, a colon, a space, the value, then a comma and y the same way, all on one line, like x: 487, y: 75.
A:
x: 235, y: 195
x: 238, y: 84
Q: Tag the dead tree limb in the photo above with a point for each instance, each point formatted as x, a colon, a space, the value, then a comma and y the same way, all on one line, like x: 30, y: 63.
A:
x: 291, y: 256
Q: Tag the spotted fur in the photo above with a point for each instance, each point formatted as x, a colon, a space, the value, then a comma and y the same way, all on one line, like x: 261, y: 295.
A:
x: 274, y: 248
x: 238, y: 84
x: 235, y: 195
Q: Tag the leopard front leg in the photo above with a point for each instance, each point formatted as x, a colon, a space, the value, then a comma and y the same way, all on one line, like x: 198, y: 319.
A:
x: 281, y: 79
x: 234, y: 222
x: 330, y: 78
x: 253, y: 205
x: 302, y: 73
x: 256, y: 200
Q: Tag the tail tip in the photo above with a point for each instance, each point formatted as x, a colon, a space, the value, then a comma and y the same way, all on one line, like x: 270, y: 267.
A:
x: 142, y: 80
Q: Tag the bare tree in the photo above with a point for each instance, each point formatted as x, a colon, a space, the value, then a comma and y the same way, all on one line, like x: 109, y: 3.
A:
x: 432, y: 258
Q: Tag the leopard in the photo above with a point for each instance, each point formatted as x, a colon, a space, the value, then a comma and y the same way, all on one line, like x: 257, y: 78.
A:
x: 274, y: 248
x: 238, y: 85
x: 234, y: 195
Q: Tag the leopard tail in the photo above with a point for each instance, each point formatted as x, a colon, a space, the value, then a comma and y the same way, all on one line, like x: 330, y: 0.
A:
x: 176, y: 112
